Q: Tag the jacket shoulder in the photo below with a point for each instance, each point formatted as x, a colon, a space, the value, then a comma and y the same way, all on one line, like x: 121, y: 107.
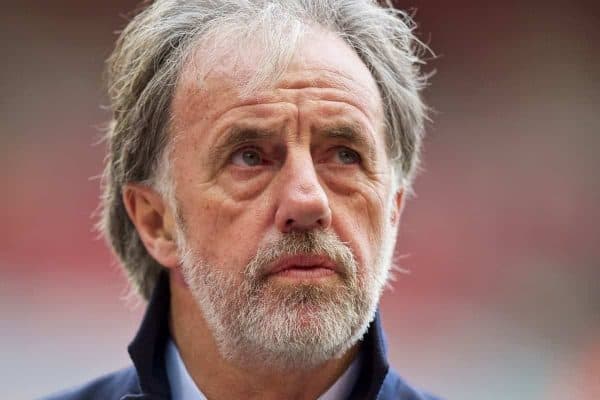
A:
x: 395, y: 388
x: 112, y: 386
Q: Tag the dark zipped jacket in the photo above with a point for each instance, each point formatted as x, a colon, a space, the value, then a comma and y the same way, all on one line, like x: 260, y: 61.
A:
x: 147, y: 378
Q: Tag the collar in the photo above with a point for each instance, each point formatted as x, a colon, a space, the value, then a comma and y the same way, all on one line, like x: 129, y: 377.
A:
x: 147, y: 350
x: 183, y: 386
x: 344, y: 385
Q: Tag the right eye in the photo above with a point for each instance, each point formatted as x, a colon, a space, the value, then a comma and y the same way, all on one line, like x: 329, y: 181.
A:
x: 347, y: 156
x: 247, y: 157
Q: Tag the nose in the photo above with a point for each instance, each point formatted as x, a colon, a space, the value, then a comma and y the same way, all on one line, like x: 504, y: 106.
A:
x: 303, y: 204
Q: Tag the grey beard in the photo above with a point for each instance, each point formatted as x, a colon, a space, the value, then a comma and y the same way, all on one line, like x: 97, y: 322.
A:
x: 255, y: 320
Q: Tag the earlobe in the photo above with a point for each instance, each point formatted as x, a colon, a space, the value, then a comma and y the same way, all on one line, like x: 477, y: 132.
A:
x: 165, y: 252
x: 153, y: 221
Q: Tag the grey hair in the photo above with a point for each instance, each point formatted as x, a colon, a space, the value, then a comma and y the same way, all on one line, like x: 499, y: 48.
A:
x: 150, y: 53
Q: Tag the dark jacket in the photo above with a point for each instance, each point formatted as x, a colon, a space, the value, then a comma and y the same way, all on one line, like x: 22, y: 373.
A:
x: 147, y: 378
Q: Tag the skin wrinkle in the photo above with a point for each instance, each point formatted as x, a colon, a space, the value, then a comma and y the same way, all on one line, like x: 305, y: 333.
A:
x: 371, y: 201
x: 353, y: 135
x: 229, y: 212
x: 237, y: 137
x: 224, y: 206
x: 224, y: 121
x: 309, y: 77
x: 243, y: 116
x: 219, y: 150
x: 337, y: 80
x: 359, y: 198
x: 219, y: 218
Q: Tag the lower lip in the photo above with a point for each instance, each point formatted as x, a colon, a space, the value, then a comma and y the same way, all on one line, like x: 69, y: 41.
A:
x: 305, y: 273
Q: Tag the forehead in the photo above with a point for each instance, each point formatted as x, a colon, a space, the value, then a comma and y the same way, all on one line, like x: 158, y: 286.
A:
x: 320, y: 59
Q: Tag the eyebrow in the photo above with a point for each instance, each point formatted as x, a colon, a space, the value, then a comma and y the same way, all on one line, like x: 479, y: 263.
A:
x: 239, y: 135
x: 349, y: 133
x: 236, y: 136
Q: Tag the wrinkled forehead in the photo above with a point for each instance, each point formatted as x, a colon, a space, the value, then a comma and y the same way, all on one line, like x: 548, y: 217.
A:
x: 242, y: 66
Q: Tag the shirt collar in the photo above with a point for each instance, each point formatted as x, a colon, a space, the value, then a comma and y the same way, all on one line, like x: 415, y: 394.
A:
x: 342, y: 388
x: 183, y: 386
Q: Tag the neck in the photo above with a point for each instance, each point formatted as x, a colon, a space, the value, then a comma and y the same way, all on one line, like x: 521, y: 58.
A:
x: 220, y: 378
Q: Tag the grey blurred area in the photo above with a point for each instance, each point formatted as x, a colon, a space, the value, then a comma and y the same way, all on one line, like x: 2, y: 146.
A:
x: 502, y: 240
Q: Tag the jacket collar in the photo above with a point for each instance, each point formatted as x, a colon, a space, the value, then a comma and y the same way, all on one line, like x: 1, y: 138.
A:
x: 147, y: 350
x: 375, y: 365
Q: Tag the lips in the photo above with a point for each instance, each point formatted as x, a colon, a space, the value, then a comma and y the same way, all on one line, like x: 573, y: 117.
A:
x: 302, y: 263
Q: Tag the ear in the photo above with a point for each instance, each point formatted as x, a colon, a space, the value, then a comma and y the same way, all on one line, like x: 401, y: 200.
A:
x: 154, y: 222
x: 397, y: 207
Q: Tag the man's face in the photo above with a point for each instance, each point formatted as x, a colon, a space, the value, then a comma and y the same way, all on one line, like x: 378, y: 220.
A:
x: 285, y: 202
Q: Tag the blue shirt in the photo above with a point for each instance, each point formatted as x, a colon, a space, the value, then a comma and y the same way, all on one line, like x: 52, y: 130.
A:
x: 183, y: 386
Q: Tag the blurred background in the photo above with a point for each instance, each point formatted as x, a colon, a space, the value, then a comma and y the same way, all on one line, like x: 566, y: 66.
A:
x: 502, y: 241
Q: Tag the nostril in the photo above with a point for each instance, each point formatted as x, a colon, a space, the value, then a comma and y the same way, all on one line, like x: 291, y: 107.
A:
x: 289, y: 222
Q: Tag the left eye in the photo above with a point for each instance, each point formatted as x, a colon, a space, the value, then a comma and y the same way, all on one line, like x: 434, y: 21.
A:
x: 347, y: 156
x: 247, y: 158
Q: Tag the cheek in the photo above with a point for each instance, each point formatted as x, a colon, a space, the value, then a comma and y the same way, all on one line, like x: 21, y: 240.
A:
x: 361, y: 218
x: 222, y: 216
x: 223, y: 231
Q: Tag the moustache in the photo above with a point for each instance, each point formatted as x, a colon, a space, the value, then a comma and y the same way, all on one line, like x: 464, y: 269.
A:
x: 309, y: 243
